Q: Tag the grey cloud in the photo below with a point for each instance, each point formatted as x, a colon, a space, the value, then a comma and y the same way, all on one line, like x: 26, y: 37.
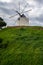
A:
x: 7, y: 8
x: 39, y: 2
x: 40, y: 18
x: 7, y: 11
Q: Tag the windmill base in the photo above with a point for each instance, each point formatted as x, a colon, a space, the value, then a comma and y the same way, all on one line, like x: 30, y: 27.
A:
x: 23, y: 22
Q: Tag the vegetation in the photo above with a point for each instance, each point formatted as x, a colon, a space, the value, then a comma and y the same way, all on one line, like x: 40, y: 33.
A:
x: 21, y: 46
x: 2, y: 23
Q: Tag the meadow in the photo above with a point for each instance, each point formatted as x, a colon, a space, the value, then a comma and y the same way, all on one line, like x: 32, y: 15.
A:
x: 21, y: 46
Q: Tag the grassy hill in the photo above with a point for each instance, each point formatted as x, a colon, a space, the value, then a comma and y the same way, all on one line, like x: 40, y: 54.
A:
x: 21, y: 46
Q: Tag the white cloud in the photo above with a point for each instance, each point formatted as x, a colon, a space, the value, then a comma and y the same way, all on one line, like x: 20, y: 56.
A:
x: 5, y: 0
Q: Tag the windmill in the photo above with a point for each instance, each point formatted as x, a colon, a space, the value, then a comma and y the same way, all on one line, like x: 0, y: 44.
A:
x: 22, y: 19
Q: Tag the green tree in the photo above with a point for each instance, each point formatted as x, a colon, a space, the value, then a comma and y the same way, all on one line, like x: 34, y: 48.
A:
x: 2, y: 23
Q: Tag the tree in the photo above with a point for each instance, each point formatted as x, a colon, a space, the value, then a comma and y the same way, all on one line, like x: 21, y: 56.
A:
x: 2, y: 23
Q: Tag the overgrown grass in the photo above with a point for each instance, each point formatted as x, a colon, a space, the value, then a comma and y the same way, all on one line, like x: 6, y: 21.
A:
x: 21, y: 46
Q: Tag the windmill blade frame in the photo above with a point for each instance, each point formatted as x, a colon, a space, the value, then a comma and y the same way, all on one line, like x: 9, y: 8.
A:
x: 24, y: 7
x: 19, y: 13
x: 26, y: 11
x: 13, y: 16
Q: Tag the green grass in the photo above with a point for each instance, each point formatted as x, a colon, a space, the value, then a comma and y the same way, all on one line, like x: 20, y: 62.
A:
x: 21, y: 46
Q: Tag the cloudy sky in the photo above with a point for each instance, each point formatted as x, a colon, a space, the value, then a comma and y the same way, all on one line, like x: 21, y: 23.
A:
x: 35, y: 16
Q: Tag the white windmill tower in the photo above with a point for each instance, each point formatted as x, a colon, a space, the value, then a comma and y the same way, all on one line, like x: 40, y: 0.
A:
x: 22, y: 19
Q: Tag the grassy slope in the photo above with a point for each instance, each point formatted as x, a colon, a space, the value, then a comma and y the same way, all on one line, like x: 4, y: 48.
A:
x: 21, y: 46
